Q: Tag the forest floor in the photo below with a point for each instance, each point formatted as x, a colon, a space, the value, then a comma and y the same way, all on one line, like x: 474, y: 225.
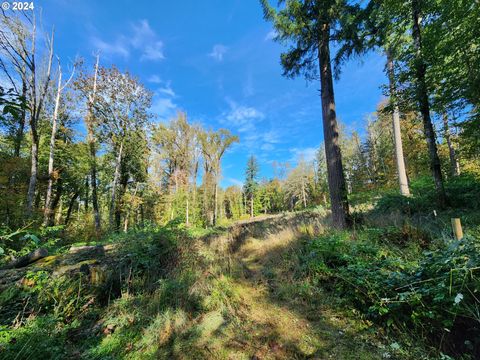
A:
x: 275, y: 323
x: 239, y: 293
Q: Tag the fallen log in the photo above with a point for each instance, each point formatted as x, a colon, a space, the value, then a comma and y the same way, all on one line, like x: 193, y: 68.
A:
x: 28, y: 259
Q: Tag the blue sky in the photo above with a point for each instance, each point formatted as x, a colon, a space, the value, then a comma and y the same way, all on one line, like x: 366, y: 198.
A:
x: 215, y: 60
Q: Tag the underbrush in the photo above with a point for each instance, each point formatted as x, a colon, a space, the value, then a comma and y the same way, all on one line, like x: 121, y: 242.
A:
x: 163, y: 299
x: 432, y: 294
x: 463, y: 192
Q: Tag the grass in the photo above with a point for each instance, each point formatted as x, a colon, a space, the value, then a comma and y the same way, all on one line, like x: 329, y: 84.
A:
x: 292, y: 289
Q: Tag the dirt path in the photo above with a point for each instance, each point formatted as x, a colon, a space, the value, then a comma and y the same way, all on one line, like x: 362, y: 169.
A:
x: 276, y: 321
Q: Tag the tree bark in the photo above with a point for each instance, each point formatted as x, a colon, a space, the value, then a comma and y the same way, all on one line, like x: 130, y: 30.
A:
x: 115, y: 181
x: 33, y: 168
x: 36, y: 109
x: 424, y: 106
x: 118, y: 208
x: 336, y: 178
x: 87, y: 188
x: 93, y: 151
x: 454, y: 165
x: 251, y: 205
x: 215, y: 200
x: 48, y: 200
x: 50, y: 220
x: 22, y: 120
x: 397, y: 134
x: 70, y: 207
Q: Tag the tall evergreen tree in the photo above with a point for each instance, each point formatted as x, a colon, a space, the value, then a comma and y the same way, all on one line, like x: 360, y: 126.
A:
x: 310, y: 26
x: 251, y: 183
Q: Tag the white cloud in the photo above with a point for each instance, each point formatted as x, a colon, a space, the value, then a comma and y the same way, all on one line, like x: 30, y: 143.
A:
x: 271, y: 137
x: 116, y: 48
x: 155, y: 79
x: 167, y: 90
x: 141, y: 38
x: 235, y: 182
x: 218, y: 52
x: 267, y: 147
x: 243, y: 118
x: 307, y: 154
x: 153, y: 52
x: 248, y: 88
x: 163, y: 108
x: 271, y: 35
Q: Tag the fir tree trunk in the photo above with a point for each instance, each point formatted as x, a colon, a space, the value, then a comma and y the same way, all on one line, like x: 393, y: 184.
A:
x: 397, y: 134
x: 70, y: 207
x: 424, y: 106
x: 336, y: 178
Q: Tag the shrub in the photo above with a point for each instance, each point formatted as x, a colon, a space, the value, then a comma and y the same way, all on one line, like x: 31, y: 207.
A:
x: 437, y: 297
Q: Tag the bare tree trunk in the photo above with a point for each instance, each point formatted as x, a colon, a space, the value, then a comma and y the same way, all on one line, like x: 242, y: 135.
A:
x: 36, y: 109
x: 397, y: 134
x: 58, y: 216
x: 304, y: 197
x: 93, y: 151
x: 214, y: 222
x: 33, y: 169
x: 336, y: 178
x: 51, y: 218
x: 70, y: 207
x: 186, y: 212
x: 194, y: 195
x: 424, y: 106
x: 87, y: 188
x: 48, y: 199
x: 23, y: 119
x: 127, y: 214
x: 115, y: 181
x: 118, y: 209
x: 454, y: 165
x: 251, y: 205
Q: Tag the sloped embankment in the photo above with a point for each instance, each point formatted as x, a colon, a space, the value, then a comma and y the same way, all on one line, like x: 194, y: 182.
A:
x: 96, y: 261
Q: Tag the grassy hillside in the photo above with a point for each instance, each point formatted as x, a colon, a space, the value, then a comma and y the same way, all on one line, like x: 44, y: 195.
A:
x: 282, y: 287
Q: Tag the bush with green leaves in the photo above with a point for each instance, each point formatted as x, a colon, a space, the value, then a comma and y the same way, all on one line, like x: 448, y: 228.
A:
x: 463, y: 192
x: 437, y: 296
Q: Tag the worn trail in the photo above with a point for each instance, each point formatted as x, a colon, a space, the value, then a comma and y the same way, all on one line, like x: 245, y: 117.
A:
x: 277, y: 322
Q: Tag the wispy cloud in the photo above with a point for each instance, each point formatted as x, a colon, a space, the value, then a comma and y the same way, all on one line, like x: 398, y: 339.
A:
x: 141, y: 38
x: 167, y: 90
x: 242, y: 117
x: 155, y: 79
x: 307, y: 154
x: 271, y: 35
x: 235, y: 182
x: 163, y: 108
x: 117, y: 48
x: 218, y: 52
x: 248, y: 88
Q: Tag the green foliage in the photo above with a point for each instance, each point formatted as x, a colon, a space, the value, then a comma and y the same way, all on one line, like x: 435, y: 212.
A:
x: 435, y: 296
x: 463, y: 193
